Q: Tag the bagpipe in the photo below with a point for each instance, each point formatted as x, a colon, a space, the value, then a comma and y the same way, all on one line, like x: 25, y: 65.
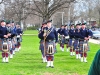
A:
x: 50, y: 46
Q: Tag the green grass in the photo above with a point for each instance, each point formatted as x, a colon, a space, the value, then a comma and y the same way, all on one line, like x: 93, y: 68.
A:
x: 28, y: 61
x: 31, y: 32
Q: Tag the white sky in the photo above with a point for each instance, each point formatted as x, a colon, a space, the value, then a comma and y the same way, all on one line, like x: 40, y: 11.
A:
x: 80, y: 6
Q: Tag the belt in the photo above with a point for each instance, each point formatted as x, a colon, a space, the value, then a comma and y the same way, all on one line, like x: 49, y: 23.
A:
x: 77, y: 38
x: 81, y: 39
x: 49, y: 40
x: 9, y: 39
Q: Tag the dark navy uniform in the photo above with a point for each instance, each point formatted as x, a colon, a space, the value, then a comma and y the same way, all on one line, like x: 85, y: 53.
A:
x: 11, y: 44
x: 9, y: 39
x: 14, y: 39
x: 61, y: 37
x: 40, y: 36
x: 76, y: 42
x: 51, y: 37
x: 65, y: 36
x: 85, y: 34
x: 3, y: 31
x: 19, y: 34
x: 71, y: 39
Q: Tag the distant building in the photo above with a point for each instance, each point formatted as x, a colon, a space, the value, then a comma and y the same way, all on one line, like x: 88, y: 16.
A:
x: 92, y: 22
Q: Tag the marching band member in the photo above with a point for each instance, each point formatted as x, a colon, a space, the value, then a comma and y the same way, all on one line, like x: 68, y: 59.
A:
x: 40, y: 35
x: 19, y: 34
x: 4, y: 36
x: 14, y: 40
x: 66, y: 37
x: 61, y: 39
x: 51, y: 37
x: 9, y: 31
x: 76, y: 42
x: 71, y: 39
x: 85, y: 35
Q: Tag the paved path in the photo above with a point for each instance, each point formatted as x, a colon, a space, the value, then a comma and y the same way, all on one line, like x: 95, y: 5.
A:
x: 94, y: 41
x: 91, y: 40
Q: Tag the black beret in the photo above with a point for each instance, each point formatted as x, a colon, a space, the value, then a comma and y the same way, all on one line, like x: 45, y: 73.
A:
x: 62, y: 25
x: 44, y: 22
x: 65, y: 25
x: 2, y: 21
x: 72, y: 24
x: 83, y: 24
x: 7, y: 22
x: 78, y: 24
x: 49, y: 21
x: 12, y: 21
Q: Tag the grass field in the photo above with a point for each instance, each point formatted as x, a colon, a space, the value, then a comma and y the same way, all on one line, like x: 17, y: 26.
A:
x: 31, y: 32
x: 28, y: 61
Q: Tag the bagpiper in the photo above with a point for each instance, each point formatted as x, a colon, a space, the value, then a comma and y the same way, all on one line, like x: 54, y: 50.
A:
x: 66, y: 37
x: 19, y: 34
x: 61, y: 39
x: 71, y: 39
x: 40, y: 35
x: 76, y: 41
x: 4, y: 36
x: 85, y: 35
x: 51, y: 37
x: 14, y: 39
x: 9, y: 31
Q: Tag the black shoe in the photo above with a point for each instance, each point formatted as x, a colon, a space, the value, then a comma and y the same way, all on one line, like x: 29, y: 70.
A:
x: 52, y: 66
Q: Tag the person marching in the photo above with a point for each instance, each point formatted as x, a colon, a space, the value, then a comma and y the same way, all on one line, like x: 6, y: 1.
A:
x: 66, y: 37
x: 50, y: 38
x: 4, y: 36
x: 9, y: 31
x: 76, y: 42
x: 19, y: 34
x: 71, y: 39
x: 14, y: 40
x: 40, y: 35
x: 61, y: 39
x: 85, y: 35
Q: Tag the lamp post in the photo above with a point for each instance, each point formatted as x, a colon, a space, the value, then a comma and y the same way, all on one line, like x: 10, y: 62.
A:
x: 61, y: 16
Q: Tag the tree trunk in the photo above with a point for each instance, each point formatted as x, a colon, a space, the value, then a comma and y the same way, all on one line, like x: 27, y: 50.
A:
x: 46, y: 17
x: 99, y: 18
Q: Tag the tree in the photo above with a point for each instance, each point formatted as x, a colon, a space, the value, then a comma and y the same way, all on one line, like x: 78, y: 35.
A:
x: 46, y: 8
x: 98, y: 8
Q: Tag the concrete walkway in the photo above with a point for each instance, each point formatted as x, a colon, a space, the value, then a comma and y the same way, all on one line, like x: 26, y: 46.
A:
x: 94, y: 41
x: 90, y: 40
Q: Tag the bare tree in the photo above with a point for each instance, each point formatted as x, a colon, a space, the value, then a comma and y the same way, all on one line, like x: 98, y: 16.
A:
x: 98, y: 8
x: 46, y: 8
x: 1, y: 1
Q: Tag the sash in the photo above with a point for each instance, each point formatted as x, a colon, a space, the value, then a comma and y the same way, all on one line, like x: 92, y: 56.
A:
x: 48, y: 32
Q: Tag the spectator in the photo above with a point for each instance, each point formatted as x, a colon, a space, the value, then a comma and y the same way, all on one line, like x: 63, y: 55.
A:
x: 95, y: 67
